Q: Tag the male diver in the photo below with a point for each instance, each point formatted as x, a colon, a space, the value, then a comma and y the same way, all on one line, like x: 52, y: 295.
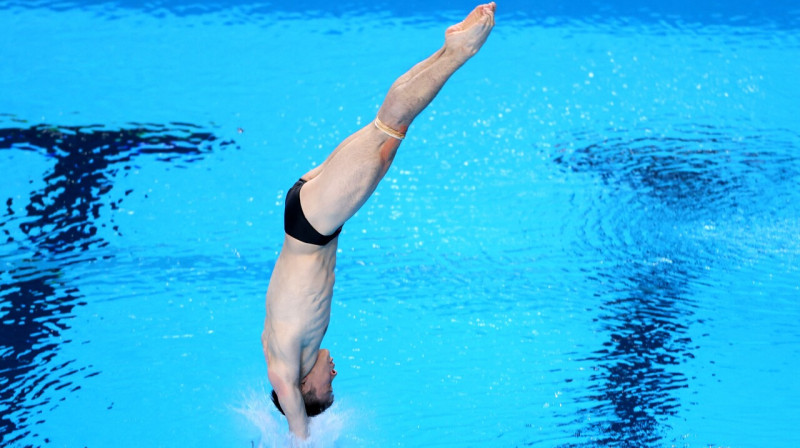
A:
x: 301, y: 286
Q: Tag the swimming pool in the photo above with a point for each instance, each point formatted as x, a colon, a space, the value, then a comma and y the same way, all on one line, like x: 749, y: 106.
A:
x: 590, y: 238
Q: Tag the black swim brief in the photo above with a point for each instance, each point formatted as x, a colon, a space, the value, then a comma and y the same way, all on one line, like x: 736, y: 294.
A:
x: 295, y: 223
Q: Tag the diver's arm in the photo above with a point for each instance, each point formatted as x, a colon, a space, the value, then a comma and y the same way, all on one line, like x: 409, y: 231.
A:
x: 287, y: 387
x: 282, y: 353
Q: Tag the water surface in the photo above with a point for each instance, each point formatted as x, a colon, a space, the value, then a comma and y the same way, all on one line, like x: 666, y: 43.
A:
x: 590, y: 238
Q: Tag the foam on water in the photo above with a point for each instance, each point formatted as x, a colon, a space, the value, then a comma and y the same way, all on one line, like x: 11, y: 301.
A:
x: 273, y: 430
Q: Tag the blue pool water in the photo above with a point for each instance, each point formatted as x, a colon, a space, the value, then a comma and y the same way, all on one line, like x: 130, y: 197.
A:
x: 590, y: 238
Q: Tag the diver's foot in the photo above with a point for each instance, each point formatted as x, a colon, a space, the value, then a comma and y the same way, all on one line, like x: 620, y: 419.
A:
x: 464, y: 39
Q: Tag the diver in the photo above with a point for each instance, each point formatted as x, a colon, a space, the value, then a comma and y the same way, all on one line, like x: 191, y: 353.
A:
x: 298, y: 302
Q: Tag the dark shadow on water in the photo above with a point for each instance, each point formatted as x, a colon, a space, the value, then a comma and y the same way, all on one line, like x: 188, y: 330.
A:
x: 58, y: 229
x: 658, y: 189
x: 644, y: 317
x: 697, y: 171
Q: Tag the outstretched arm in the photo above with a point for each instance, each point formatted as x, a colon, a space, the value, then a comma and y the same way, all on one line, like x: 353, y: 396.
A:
x: 287, y: 387
x: 283, y: 370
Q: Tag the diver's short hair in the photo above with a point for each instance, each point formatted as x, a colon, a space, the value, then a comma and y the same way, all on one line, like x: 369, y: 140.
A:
x: 314, y: 407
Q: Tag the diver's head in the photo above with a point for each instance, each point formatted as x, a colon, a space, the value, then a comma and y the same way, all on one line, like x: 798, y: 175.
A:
x: 317, y: 386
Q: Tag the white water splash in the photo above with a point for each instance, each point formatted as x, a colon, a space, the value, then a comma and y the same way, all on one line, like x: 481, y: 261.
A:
x: 324, y: 429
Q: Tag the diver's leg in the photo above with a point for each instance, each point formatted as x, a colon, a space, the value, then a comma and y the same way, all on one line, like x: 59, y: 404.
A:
x: 339, y: 187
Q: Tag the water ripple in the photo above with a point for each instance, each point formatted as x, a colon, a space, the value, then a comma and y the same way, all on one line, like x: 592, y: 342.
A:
x: 50, y: 233
x: 779, y: 13
x: 648, y: 238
